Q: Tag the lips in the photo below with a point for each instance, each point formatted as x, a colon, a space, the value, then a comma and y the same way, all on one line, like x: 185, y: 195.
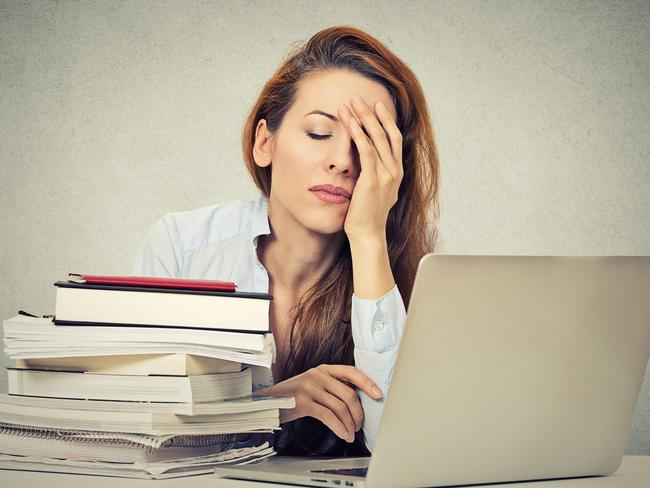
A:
x: 331, y: 194
x: 334, y: 190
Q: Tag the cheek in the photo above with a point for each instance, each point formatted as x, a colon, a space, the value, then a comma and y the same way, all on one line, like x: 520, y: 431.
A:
x: 296, y: 167
x: 297, y: 161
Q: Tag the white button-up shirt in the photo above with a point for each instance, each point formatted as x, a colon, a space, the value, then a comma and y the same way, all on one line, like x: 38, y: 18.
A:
x: 219, y: 242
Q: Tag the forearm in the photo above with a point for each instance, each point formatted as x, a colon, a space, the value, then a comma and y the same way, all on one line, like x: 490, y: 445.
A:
x: 377, y: 326
x: 371, y: 271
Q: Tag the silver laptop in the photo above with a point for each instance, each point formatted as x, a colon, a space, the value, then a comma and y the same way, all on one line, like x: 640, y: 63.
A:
x: 510, y: 368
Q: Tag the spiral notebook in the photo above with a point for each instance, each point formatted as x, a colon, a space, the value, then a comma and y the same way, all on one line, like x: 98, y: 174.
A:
x: 123, y: 455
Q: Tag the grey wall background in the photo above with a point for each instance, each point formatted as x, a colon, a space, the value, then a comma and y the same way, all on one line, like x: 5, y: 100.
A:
x: 114, y: 113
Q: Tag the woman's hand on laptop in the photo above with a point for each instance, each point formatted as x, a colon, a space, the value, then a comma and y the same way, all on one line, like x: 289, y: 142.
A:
x: 326, y: 392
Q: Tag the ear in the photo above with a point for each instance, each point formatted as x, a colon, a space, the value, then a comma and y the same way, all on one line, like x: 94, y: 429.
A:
x: 262, y: 150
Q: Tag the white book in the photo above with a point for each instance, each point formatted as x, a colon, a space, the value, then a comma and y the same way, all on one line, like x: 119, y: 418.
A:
x: 34, y: 337
x: 236, y: 405
x: 195, y: 388
x: 43, y: 330
x: 147, y: 470
x: 138, y: 364
x: 157, y: 424
x: 146, y: 418
x: 94, y: 304
x: 264, y: 359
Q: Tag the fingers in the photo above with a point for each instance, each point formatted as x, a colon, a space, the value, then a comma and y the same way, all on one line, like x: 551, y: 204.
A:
x: 394, y: 134
x: 329, y: 391
x: 322, y: 393
x: 313, y: 400
x: 356, y: 377
x: 348, y: 397
x: 383, y: 139
x: 341, y: 410
x: 326, y: 416
x: 375, y: 131
x: 368, y: 154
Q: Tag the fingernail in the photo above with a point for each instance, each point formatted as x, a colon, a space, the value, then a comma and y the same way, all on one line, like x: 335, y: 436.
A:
x: 377, y: 392
x: 380, y: 107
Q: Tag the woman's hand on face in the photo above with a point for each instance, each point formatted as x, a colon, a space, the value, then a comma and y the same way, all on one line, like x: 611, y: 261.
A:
x: 380, y: 154
x: 325, y: 392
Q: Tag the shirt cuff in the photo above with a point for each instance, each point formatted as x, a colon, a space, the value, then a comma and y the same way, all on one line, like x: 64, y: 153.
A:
x: 377, y: 325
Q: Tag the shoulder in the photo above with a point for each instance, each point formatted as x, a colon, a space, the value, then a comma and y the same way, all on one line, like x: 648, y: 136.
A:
x: 204, y: 226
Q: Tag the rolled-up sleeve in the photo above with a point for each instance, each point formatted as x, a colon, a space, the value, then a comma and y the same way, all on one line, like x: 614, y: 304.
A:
x: 160, y: 253
x: 377, y: 327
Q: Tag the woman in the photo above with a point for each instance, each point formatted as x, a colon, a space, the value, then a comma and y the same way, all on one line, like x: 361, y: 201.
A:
x: 348, y: 192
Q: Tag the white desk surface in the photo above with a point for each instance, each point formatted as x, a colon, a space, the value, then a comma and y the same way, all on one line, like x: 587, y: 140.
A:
x: 633, y: 473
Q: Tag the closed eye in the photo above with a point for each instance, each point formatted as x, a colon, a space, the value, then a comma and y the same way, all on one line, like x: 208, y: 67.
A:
x: 318, y: 137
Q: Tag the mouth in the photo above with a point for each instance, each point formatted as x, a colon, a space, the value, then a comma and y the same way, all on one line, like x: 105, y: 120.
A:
x: 331, y: 194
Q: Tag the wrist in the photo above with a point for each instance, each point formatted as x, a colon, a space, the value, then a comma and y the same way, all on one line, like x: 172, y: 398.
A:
x: 371, y: 269
x: 368, y: 242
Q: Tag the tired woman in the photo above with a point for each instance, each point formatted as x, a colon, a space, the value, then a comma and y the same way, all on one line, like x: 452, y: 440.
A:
x: 340, y: 145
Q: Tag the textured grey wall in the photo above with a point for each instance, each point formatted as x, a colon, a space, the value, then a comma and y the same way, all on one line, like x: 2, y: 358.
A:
x: 114, y: 113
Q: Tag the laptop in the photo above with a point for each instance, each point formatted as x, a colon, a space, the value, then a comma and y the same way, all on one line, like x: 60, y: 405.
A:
x: 510, y: 368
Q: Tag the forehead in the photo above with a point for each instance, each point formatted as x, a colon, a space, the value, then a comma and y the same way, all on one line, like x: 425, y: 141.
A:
x: 329, y: 90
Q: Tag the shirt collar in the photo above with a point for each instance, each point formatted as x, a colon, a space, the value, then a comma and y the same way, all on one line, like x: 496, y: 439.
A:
x: 261, y: 218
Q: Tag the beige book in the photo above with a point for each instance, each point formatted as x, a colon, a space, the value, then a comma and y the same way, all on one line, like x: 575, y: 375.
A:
x: 138, y: 388
x: 151, y: 423
x: 137, y: 364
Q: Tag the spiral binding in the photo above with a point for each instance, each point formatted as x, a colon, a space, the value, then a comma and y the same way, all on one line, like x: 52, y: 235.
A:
x: 139, y: 441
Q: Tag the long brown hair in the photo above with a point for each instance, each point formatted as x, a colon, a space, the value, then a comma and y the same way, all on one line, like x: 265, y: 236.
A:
x: 323, y: 313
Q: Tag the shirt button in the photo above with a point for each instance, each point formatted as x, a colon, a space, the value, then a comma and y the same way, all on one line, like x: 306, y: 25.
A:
x: 379, y: 325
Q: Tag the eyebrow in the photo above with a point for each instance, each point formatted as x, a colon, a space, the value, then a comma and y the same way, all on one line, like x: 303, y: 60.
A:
x: 320, y: 112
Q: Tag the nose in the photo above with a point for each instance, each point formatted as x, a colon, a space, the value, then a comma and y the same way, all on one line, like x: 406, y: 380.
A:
x: 346, y: 159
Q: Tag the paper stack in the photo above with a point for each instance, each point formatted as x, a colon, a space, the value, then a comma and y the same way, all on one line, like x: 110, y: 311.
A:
x: 115, y: 388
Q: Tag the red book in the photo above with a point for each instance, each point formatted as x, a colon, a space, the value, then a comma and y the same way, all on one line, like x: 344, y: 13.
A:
x: 211, y: 285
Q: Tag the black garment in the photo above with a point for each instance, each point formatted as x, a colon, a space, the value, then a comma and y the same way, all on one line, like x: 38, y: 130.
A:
x: 309, y: 436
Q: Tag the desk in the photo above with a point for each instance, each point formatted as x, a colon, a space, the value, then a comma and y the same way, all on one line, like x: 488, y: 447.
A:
x: 633, y: 473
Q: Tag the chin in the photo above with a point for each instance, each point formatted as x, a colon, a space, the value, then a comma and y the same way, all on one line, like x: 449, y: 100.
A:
x: 327, y: 225
x: 328, y: 229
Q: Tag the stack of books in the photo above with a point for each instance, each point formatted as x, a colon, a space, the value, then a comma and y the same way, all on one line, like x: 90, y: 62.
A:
x: 138, y: 377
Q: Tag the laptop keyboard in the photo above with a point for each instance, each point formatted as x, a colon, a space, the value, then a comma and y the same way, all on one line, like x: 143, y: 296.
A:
x: 360, y: 472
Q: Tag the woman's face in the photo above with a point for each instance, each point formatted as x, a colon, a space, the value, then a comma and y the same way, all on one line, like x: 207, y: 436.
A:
x: 312, y: 149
